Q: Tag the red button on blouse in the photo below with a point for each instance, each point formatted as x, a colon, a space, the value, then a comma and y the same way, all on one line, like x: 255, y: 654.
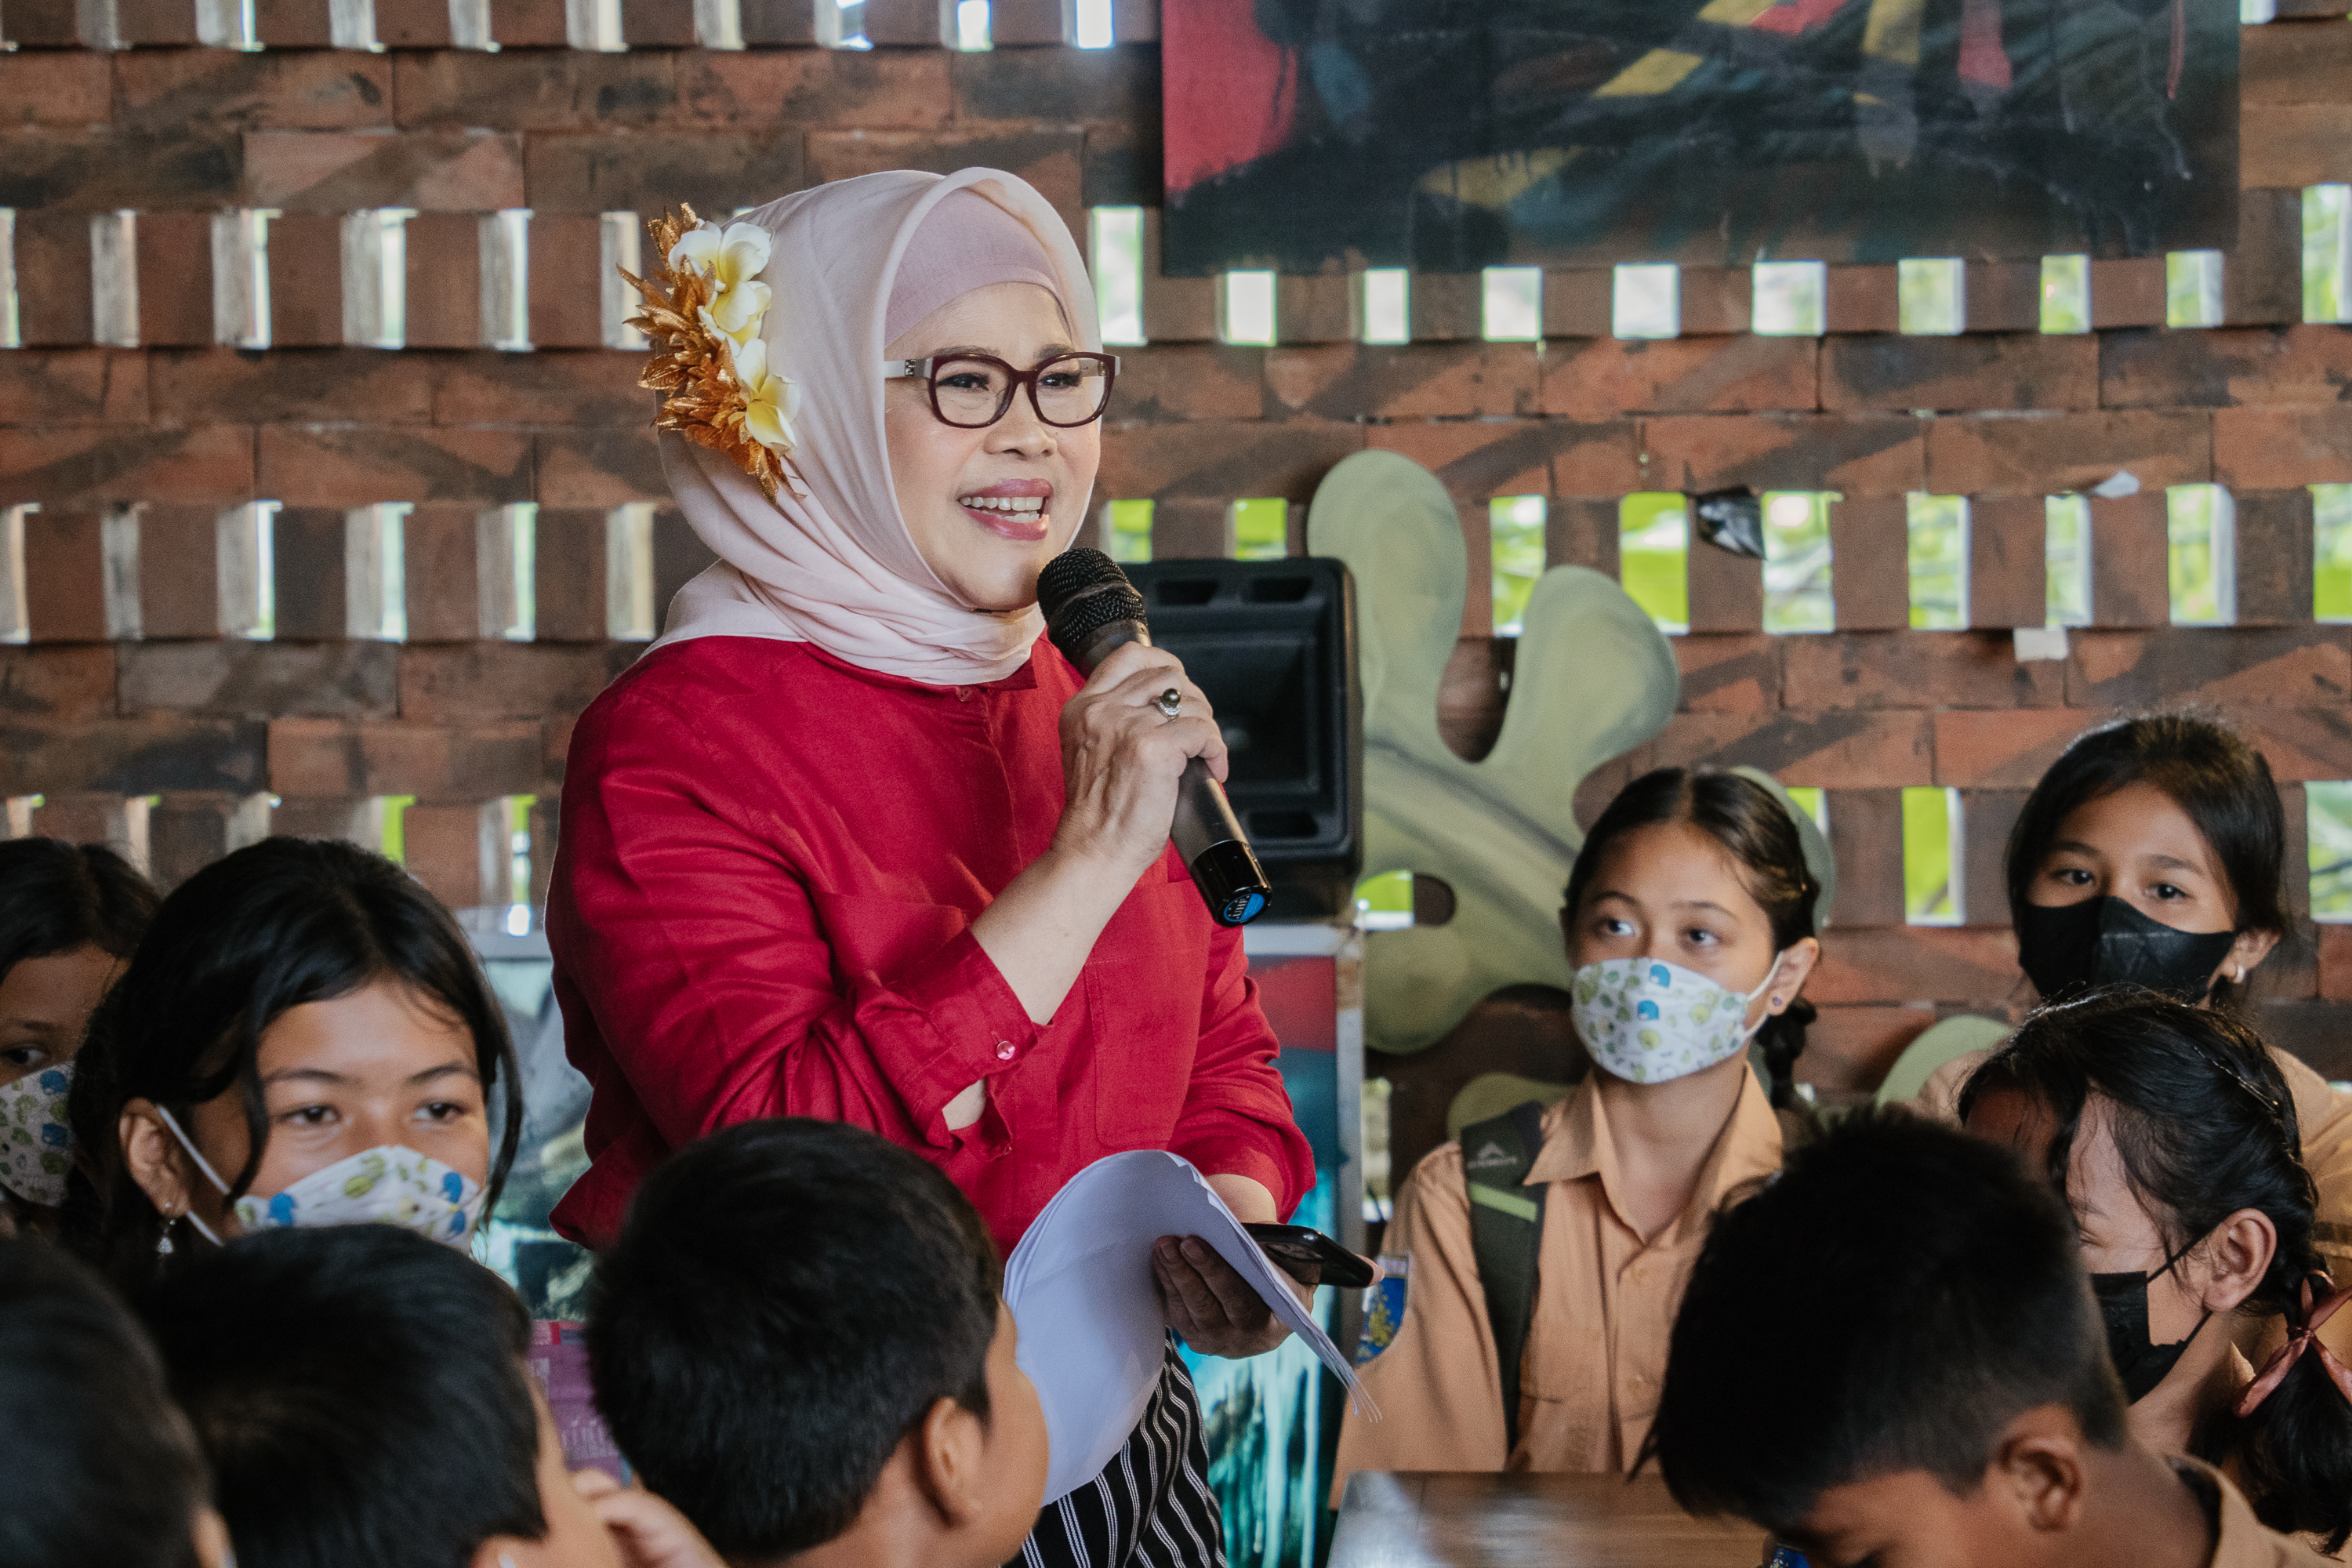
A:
x: 770, y: 861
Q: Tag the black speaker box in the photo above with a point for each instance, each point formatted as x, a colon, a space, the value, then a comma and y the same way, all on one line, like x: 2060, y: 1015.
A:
x: 1273, y: 644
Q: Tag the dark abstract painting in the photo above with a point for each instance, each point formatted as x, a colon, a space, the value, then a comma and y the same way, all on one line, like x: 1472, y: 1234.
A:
x: 1448, y: 135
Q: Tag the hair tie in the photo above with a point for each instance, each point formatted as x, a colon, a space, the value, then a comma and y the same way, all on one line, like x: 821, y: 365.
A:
x: 2305, y: 1338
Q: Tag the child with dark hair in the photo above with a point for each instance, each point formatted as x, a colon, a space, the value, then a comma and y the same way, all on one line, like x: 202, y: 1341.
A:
x: 1543, y: 1253
x: 303, y: 1038
x: 798, y: 1339
x: 362, y: 1399
x: 69, y: 916
x: 1890, y: 1355
x: 2171, y: 1135
x: 105, y: 1470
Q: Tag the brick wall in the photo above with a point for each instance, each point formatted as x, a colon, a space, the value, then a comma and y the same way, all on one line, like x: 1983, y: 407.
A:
x: 178, y: 738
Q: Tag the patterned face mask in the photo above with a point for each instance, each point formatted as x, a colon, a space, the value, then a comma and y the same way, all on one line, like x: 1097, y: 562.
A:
x: 35, y: 1146
x: 389, y: 1185
x: 1647, y: 1021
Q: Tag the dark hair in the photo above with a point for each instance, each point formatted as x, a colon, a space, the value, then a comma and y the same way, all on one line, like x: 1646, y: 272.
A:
x: 1890, y: 1302
x: 285, y: 921
x: 787, y: 1266
x: 2207, y: 770
x: 2206, y: 1126
x: 105, y: 1470
x: 1759, y: 835
x: 56, y: 896
x: 360, y: 1393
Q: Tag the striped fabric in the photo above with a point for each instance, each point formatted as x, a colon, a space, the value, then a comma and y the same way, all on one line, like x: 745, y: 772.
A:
x: 1152, y: 1506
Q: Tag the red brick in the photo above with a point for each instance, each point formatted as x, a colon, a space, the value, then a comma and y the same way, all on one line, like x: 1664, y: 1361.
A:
x: 528, y: 24
x: 306, y: 282
x: 337, y: 89
x: 179, y: 570
x: 1979, y: 748
x: 658, y: 24
x: 567, y: 309
x: 235, y: 677
x: 2009, y: 572
x: 555, y: 90
x: 1717, y: 300
x: 1178, y: 310
x: 1023, y: 21
x: 1477, y: 459
x: 1848, y: 1050
x: 130, y: 756
x: 64, y: 682
x: 1581, y: 530
x: 339, y: 172
x: 45, y: 464
x: 1446, y: 305
x: 292, y: 23
x: 2230, y: 666
x: 308, y: 557
x: 445, y: 282
x: 40, y: 24
x: 768, y: 23
x: 1830, y: 748
x: 1118, y: 87
x: 1870, y: 572
x: 2046, y: 453
x: 115, y: 820
x: 1135, y: 21
x: 176, y: 279
x: 1730, y: 674
x: 65, y: 576
x: 1862, y: 300
x: 2273, y: 557
x: 2003, y: 296
x: 482, y: 681
x: 2225, y: 367
x: 188, y: 830
x: 1966, y: 964
x: 1478, y: 584
x: 1578, y: 302
x: 598, y: 468
x: 1979, y: 370
x: 1047, y: 159
x: 53, y: 282
x: 65, y: 87
x: 715, y: 171
x: 2336, y: 962
x: 2300, y: 744
x: 1986, y: 816
x: 2129, y: 292
x: 1605, y: 376
x: 101, y: 170
x: 1855, y: 454
x: 2293, y: 64
x: 344, y: 466
x: 490, y: 388
x: 1917, y: 670
x: 2294, y: 144
x: 1470, y: 699
x: 434, y: 762
x: 1315, y: 309
x: 1727, y: 591
x: 2130, y: 561
x: 902, y: 23
x: 440, y: 572
x: 1220, y: 459
x: 836, y: 88
x: 2273, y: 448
x: 72, y: 386
x: 569, y: 561
x: 2262, y: 281
x: 1865, y: 831
x: 156, y: 22
x: 362, y: 385
x: 1206, y: 381
x: 413, y: 25
x: 1405, y: 380
x: 459, y: 851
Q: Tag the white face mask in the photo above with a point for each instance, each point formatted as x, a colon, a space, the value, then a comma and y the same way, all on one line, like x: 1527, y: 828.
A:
x: 389, y: 1185
x: 36, y: 1144
x: 1648, y: 1021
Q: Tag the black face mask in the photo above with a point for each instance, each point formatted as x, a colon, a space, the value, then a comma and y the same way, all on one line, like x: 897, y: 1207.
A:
x: 2106, y: 942
x: 2123, y: 1308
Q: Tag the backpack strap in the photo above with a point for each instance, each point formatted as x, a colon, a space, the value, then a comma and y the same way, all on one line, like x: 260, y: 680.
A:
x: 1505, y: 1225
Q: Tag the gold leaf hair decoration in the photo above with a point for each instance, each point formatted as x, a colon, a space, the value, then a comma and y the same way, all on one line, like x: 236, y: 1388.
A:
x: 703, y: 310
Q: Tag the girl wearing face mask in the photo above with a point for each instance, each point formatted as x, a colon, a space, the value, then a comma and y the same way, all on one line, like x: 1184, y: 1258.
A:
x: 70, y: 915
x: 302, y: 1038
x: 2172, y: 1135
x: 1689, y: 917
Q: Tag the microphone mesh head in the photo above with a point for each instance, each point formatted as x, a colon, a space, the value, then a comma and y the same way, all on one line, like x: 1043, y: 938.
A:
x: 1081, y: 590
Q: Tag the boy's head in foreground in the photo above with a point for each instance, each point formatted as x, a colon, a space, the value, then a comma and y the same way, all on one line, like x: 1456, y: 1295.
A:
x: 798, y: 1341
x: 360, y: 1394
x: 1889, y: 1353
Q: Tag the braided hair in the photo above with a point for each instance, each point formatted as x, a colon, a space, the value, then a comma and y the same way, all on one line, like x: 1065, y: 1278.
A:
x: 2206, y: 1127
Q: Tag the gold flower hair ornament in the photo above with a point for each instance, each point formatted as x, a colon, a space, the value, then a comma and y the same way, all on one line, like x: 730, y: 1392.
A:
x: 704, y: 310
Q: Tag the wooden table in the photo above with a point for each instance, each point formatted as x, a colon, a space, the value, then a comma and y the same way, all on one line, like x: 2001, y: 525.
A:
x: 1430, y: 1519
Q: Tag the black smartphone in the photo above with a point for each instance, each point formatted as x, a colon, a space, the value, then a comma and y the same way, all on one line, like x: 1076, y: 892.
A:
x: 1309, y: 1256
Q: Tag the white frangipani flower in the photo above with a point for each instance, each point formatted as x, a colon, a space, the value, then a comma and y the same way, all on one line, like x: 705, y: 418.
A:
x: 733, y: 258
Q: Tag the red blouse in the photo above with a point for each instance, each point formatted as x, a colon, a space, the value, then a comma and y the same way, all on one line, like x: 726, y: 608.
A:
x: 771, y: 860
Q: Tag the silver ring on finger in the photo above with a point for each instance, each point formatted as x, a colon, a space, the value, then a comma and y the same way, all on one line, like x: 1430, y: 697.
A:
x: 1171, y: 703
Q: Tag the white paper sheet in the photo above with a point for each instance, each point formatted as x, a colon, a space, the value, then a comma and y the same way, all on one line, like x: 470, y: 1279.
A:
x: 1079, y: 1286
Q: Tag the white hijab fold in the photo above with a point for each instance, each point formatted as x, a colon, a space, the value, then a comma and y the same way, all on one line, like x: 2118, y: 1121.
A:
x: 837, y: 567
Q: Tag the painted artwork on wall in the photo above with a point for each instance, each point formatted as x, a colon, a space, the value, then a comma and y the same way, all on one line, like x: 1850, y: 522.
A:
x: 1448, y: 135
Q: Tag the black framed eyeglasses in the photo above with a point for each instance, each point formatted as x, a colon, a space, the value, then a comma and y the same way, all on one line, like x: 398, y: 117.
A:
x: 972, y: 391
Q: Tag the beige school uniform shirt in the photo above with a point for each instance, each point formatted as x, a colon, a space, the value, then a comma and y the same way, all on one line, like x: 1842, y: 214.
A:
x: 1605, y: 1302
x: 2241, y: 1541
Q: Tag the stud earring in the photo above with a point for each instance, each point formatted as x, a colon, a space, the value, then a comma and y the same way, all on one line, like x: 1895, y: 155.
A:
x: 2239, y: 978
x: 1776, y: 1000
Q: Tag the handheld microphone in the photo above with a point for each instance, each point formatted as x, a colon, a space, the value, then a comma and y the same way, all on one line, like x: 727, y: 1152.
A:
x: 1091, y: 608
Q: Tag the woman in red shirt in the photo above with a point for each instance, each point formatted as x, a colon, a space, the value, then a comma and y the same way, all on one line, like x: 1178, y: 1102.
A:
x: 854, y: 841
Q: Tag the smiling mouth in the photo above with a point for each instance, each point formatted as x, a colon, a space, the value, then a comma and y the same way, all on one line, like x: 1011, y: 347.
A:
x: 1023, y: 517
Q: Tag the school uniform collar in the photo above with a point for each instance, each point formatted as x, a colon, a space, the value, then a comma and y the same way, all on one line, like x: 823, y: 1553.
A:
x: 1577, y: 1145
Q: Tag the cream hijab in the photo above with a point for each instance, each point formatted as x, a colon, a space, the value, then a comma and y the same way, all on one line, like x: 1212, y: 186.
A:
x: 837, y: 567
